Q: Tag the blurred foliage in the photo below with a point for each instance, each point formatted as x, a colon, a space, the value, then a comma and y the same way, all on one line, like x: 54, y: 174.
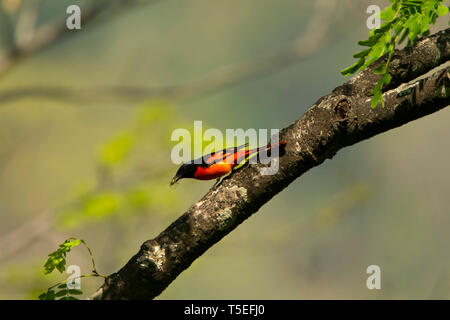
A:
x: 131, y: 167
x: 26, y: 278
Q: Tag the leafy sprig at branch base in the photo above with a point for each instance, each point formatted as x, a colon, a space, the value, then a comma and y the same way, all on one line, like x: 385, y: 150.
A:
x: 57, y: 260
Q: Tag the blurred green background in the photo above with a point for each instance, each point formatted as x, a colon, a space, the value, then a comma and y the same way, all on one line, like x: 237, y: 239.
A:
x: 94, y: 163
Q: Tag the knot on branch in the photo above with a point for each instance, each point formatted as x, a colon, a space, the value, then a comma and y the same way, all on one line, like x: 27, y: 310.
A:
x: 342, y: 109
x: 399, y: 65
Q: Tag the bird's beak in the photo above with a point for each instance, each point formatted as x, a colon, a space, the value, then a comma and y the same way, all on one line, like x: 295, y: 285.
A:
x: 174, y: 180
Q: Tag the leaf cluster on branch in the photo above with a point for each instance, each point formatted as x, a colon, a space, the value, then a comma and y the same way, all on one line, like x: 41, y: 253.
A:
x: 403, y: 20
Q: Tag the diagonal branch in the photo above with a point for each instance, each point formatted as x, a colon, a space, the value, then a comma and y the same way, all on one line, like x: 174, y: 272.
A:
x: 335, y: 121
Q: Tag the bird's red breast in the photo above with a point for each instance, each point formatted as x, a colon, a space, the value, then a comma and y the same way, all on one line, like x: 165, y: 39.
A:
x: 214, y: 171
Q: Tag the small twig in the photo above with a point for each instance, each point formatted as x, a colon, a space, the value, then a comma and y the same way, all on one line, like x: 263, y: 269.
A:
x: 94, y: 269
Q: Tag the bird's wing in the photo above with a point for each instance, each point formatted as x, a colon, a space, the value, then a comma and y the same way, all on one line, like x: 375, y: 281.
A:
x: 223, y: 155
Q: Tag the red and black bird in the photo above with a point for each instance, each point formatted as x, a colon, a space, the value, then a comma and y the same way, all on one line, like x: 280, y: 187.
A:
x: 219, y: 163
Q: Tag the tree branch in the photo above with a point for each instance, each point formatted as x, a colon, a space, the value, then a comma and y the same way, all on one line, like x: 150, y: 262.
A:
x: 335, y: 121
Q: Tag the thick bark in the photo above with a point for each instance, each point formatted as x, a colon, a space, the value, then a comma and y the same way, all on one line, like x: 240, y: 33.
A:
x: 335, y: 121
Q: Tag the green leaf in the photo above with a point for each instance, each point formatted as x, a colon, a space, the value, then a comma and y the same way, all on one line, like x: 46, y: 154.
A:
x: 352, y: 69
x: 386, y: 79
x: 61, y: 293
x: 49, y: 295
x: 369, y: 42
x: 414, y: 25
x: 425, y: 25
x: 377, y: 91
x: 57, y: 259
x: 404, y: 35
x: 387, y: 14
x: 376, y: 99
x: 381, y: 69
x: 442, y: 10
x: 75, y: 291
x: 362, y: 54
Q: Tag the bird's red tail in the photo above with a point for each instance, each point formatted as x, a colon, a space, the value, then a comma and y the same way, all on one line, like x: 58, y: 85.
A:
x: 243, y: 154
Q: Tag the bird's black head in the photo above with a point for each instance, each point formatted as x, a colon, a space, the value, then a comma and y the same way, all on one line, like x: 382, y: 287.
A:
x: 187, y: 170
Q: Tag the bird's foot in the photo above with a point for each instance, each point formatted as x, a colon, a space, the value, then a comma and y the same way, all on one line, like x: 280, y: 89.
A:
x: 217, y: 184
